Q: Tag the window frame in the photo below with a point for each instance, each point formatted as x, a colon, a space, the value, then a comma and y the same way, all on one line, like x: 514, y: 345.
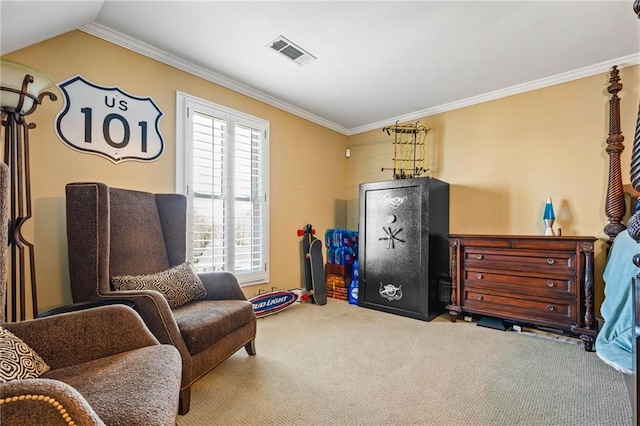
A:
x: 184, y: 102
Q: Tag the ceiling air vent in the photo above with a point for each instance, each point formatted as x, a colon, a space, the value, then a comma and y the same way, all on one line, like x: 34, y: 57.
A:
x: 291, y: 51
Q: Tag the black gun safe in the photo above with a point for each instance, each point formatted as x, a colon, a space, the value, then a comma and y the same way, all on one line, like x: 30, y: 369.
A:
x: 404, y: 247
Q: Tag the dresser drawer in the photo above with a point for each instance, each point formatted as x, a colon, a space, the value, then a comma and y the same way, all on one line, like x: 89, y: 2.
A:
x: 519, y: 260
x: 559, y: 312
x: 550, y: 287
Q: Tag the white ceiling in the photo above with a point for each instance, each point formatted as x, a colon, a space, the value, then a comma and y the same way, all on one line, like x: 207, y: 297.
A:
x: 377, y: 61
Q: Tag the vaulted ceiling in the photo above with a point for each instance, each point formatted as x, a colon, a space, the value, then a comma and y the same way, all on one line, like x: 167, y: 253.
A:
x: 376, y: 61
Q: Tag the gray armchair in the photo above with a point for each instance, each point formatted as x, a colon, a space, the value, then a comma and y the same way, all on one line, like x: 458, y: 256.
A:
x: 117, y: 232
x: 106, y: 366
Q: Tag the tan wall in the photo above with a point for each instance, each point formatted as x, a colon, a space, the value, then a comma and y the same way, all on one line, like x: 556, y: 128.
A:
x: 505, y: 157
x: 307, y: 162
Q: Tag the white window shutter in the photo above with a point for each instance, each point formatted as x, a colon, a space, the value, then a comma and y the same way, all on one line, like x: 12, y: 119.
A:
x: 225, y: 167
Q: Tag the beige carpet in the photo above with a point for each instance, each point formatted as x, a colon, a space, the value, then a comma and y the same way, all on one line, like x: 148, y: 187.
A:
x: 340, y: 364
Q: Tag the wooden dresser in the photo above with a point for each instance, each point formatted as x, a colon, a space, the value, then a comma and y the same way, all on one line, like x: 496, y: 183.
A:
x: 538, y: 280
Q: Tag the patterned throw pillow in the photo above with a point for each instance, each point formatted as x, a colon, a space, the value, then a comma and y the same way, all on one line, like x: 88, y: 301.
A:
x: 179, y: 285
x: 17, y: 360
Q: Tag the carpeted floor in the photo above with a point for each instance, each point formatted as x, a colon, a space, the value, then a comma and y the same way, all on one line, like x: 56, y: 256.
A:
x: 340, y: 364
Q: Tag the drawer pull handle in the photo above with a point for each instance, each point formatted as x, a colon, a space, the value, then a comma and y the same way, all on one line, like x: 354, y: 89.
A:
x: 551, y: 261
x: 550, y: 308
x: 479, y: 276
x: 550, y: 284
x: 479, y: 297
x: 479, y: 256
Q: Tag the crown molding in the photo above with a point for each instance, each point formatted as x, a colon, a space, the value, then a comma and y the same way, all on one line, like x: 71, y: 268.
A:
x: 159, y: 55
x: 623, y: 62
x: 144, y: 49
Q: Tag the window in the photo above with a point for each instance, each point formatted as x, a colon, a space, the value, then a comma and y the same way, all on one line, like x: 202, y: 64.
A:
x: 222, y: 167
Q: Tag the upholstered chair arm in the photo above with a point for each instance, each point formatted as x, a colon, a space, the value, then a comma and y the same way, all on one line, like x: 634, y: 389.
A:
x: 86, y: 305
x: 156, y: 314
x: 222, y: 286
x: 77, y: 337
x: 44, y: 402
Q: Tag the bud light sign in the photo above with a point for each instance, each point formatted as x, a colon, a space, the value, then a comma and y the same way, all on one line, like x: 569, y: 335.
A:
x: 269, y: 303
x: 109, y: 122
